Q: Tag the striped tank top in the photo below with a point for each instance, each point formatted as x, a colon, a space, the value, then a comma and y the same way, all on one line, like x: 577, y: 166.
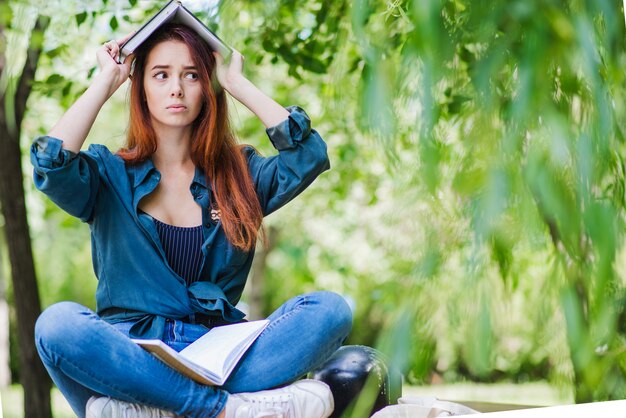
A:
x: 183, y: 249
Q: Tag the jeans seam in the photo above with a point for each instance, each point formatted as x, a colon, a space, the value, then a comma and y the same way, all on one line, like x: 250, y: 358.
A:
x: 177, y: 334
x: 287, y: 315
x: 220, y: 405
x: 169, y: 333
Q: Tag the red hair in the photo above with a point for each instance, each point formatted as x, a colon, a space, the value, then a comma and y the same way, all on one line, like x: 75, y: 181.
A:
x: 213, y: 146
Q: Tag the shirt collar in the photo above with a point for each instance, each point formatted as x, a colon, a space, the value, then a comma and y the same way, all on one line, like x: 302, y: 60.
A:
x: 200, y: 179
x: 141, y: 170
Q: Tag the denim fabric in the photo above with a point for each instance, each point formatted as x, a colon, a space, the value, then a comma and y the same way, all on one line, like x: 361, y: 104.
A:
x: 87, y: 356
x: 135, y: 281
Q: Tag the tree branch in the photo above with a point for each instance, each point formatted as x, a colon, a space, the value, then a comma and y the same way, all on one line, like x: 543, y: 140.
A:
x: 3, y: 50
x: 24, y: 85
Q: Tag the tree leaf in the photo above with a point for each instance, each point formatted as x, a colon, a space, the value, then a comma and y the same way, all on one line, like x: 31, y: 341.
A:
x: 80, y: 18
x: 113, y: 23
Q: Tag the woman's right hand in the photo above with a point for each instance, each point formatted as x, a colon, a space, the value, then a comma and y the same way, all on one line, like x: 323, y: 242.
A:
x: 74, y: 125
x: 107, y: 56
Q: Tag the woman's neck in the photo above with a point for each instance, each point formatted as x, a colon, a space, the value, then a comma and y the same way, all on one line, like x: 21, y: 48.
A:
x: 173, y: 149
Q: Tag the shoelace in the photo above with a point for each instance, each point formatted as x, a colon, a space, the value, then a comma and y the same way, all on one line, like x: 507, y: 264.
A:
x: 266, y: 407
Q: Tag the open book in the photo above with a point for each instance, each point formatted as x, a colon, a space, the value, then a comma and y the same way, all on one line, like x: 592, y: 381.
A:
x: 174, y: 11
x: 211, y: 358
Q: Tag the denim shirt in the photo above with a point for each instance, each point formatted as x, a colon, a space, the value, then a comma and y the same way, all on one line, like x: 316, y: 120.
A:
x: 135, y: 282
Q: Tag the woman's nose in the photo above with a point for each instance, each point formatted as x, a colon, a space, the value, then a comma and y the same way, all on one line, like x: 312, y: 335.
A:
x: 177, y: 90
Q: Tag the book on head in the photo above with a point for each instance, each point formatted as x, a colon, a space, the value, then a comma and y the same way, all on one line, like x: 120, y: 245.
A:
x: 175, y: 12
x: 211, y: 358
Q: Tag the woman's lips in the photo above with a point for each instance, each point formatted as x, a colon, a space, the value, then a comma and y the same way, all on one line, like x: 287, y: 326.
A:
x: 177, y: 108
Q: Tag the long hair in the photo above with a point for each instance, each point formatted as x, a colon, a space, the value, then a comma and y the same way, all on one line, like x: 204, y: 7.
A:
x: 213, y: 146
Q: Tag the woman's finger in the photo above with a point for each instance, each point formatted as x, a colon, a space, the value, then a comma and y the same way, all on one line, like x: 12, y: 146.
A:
x: 236, y: 61
x: 128, y: 63
x: 114, y: 49
x: 110, y: 48
x: 123, y: 40
x: 218, y: 58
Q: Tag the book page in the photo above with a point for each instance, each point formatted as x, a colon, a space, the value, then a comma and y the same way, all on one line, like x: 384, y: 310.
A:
x: 219, y: 348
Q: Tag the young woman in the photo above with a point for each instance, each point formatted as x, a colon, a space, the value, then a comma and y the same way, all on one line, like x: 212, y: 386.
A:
x: 174, y: 218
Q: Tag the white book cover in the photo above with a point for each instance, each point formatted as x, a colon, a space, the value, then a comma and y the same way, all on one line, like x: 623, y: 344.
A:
x: 174, y: 11
x: 211, y: 358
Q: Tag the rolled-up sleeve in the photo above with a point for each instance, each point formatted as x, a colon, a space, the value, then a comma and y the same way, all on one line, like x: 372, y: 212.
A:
x: 301, y: 158
x: 70, y: 180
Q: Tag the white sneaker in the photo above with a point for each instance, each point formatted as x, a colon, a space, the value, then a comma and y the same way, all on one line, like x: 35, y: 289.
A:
x: 105, y: 407
x: 302, y: 399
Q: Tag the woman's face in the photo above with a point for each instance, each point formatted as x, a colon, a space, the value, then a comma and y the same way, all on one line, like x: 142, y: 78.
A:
x: 173, y: 90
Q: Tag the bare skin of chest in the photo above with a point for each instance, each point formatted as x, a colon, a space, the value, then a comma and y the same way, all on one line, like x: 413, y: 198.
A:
x: 172, y: 202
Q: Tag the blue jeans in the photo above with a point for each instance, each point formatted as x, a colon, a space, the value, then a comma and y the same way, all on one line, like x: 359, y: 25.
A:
x: 86, y: 356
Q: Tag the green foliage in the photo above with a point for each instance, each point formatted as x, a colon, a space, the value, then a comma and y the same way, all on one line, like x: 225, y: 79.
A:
x: 502, y: 173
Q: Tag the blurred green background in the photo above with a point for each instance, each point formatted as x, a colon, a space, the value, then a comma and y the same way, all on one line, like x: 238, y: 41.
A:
x: 474, y: 213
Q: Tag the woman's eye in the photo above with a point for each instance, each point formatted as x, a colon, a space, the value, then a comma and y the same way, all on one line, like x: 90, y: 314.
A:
x: 192, y: 76
x: 160, y: 76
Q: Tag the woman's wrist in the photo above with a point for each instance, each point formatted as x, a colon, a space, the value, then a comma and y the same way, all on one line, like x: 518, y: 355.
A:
x: 107, y: 81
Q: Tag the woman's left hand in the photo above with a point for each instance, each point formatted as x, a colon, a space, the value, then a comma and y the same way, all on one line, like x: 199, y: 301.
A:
x: 230, y: 75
